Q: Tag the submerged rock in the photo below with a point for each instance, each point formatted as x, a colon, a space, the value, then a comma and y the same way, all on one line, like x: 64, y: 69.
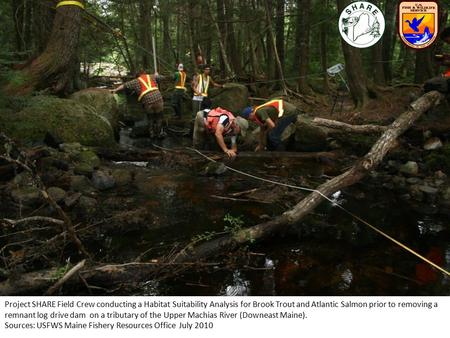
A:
x: 81, y: 184
x: 433, y: 144
x: 83, y: 169
x: 214, y: 169
x: 122, y: 177
x: 71, y: 199
x: 87, y: 204
x: 428, y: 190
x: 57, y: 194
x: 88, y: 157
x: 66, y: 120
x: 410, y: 168
x: 27, y: 196
x: 73, y: 149
x: 103, y: 180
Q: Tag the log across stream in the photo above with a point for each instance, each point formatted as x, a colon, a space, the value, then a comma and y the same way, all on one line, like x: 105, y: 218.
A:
x: 168, y: 208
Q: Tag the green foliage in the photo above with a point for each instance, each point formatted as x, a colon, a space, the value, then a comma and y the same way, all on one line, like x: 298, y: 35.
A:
x: 15, y: 78
x: 235, y: 223
x: 61, y: 271
x: 206, y: 236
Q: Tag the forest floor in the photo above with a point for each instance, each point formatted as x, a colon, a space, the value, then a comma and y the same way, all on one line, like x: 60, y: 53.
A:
x: 389, y: 104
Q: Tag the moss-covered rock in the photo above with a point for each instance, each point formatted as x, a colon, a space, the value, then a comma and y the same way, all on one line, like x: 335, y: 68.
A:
x: 67, y: 120
x: 88, y: 157
x: 309, y: 137
x: 102, y: 101
x: 234, y: 97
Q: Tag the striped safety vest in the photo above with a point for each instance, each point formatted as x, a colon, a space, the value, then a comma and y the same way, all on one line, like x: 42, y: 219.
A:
x: 203, y: 85
x: 181, y: 81
x: 147, y: 85
x: 277, y: 104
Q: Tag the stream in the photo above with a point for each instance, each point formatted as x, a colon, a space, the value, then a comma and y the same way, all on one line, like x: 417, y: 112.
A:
x: 328, y: 253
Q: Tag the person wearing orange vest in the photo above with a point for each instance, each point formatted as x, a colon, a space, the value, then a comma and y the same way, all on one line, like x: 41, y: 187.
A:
x: 200, y: 86
x: 221, y: 123
x: 180, y: 90
x: 272, y: 117
x: 146, y: 88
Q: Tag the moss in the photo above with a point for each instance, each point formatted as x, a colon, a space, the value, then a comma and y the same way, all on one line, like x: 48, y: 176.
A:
x: 65, y: 119
x: 102, y: 101
x: 89, y: 157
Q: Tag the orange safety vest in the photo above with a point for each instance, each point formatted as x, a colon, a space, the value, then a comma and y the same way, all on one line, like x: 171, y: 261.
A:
x: 212, y: 120
x: 446, y: 73
x: 147, y: 85
x: 203, y: 85
x: 277, y: 104
x: 181, y: 81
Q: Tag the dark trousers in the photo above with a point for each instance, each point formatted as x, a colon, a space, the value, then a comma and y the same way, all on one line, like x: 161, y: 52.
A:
x: 274, y: 136
x: 177, y: 100
x: 155, y: 118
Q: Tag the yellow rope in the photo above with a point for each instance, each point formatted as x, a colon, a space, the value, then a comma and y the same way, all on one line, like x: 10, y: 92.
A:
x: 70, y: 3
x: 405, y: 247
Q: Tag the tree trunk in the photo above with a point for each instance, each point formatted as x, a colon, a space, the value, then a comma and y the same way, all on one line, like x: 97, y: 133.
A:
x: 232, y: 47
x: 17, y: 9
x: 168, y: 51
x: 223, y: 50
x: 377, y: 65
x: 273, y: 45
x: 56, y: 66
x: 303, y: 31
x: 354, y: 68
x: 424, y: 65
x: 279, y: 28
x: 145, y: 30
x: 324, y: 52
x: 389, y: 38
x: 190, y: 34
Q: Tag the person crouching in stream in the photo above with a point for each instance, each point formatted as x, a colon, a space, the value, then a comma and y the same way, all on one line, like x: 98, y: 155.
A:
x: 146, y: 87
x: 272, y: 117
x: 218, y: 123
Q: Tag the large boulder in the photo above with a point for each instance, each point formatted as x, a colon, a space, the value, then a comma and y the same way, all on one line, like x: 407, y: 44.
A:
x: 234, y: 97
x: 66, y: 120
x: 309, y: 137
x: 102, y: 101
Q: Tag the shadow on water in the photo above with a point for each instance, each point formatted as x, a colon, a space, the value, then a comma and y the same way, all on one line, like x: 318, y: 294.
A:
x: 328, y: 253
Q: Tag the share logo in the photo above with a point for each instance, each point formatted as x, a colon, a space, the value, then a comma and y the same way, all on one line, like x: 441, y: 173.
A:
x: 418, y: 23
x: 361, y: 24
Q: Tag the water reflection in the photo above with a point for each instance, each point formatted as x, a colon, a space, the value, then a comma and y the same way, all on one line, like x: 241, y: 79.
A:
x: 240, y: 286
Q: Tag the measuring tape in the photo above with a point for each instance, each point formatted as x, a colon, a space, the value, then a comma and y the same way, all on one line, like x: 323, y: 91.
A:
x: 70, y: 3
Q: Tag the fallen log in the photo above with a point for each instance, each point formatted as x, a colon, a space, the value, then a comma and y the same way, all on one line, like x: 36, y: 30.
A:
x: 143, y: 155
x: 54, y: 288
x: 350, y: 128
x: 112, y: 274
x: 353, y: 175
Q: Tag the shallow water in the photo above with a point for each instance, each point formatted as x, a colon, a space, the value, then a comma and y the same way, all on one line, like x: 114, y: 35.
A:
x: 329, y: 253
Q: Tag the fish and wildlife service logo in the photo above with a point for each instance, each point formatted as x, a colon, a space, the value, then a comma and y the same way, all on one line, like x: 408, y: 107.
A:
x: 418, y: 23
x: 361, y: 24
